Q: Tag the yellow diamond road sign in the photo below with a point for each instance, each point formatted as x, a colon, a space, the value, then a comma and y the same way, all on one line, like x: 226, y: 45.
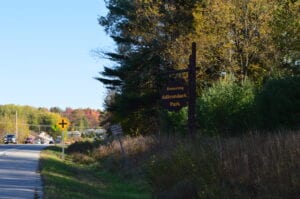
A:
x: 63, y: 123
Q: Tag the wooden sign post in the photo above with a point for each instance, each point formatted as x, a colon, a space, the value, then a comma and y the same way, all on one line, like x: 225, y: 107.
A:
x: 175, y: 95
x: 192, y: 92
x: 116, y: 130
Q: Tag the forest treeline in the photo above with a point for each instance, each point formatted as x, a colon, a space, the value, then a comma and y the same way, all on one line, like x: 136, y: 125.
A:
x: 30, y: 119
x: 248, y: 55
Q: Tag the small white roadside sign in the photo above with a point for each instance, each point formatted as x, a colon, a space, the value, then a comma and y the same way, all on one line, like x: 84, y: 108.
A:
x: 116, y: 129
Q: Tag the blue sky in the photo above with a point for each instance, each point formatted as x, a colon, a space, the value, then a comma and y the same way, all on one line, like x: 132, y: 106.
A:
x: 45, y: 53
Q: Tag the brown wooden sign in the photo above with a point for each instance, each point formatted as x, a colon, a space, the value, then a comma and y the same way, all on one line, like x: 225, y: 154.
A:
x: 175, y: 95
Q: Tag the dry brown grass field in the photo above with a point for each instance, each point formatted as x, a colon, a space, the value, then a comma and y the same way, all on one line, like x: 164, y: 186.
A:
x: 259, y: 165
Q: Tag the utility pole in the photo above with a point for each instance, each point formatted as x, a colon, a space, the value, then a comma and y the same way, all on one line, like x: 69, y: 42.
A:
x: 17, y: 126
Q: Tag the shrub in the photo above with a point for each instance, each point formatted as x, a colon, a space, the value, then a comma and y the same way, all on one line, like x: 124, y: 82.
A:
x: 136, y: 150
x: 82, y: 158
x: 226, y: 107
x: 85, y: 147
x: 278, y: 103
x: 185, y: 172
x: 174, y: 122
x: 132, y: 146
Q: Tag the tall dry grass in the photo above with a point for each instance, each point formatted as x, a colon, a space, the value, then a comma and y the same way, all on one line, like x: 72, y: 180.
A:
x: 262, y: 166
x: 253, y: 166
x: 137, y: 150
x: 132, y: 146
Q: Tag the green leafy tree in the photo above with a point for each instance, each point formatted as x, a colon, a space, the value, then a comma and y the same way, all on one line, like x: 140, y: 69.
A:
x: 8, y: 126
x: 278, y: 104
x: 285, y: 34
x: 227, y: 107
x: 29, y: 119
x: 56, y: 110
x: 48, y: 120
x: 234, y: 37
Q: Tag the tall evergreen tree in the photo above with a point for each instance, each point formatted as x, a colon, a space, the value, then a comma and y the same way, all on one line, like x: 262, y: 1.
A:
x: 147, y: 35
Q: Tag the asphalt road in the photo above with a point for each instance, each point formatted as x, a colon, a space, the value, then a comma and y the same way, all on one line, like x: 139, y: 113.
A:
x: 19, y: 177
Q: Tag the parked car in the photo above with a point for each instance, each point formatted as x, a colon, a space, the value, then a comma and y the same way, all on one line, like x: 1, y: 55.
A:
x: 58, y: 140
x: 10, y: 138
x: 29, y: 140
x: 38, y: 141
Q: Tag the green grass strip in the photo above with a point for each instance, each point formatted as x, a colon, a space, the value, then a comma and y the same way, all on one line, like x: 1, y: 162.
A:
x: 65, y: 179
